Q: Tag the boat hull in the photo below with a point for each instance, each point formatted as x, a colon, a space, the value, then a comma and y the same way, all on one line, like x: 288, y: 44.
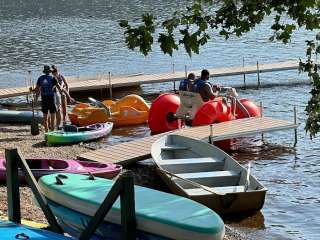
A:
x: 42, y: 166
x: 204, y: 173
x: 74, y: 223
x: 246, y: 202
x: 62, y: 138
x: 129, y: 110
x: 22, y: 117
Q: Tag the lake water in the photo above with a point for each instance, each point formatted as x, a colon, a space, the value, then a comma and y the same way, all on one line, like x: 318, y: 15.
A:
x: 83, y: 38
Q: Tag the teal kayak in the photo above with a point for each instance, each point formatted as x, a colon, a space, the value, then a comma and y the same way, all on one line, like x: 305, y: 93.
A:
x: 72, y: 134
x: 157, y: 213
x: 10, y: 230
x: 23, y: 117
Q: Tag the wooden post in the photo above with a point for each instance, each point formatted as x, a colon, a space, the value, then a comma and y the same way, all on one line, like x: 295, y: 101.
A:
x: 295, y: 130
x: 185, y: 71
x: 14, y: 213
x: 128, y: 215
x: 101, y: 89
x: 258, y: 74
x: 261, y: 110
x: 30, y: 84
x: 211, y: 134
x: 244, y: 75
x: 14, y: 159
x: 110, y: 86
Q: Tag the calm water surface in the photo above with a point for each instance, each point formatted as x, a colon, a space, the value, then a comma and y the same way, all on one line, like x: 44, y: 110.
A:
x: 82, y: 38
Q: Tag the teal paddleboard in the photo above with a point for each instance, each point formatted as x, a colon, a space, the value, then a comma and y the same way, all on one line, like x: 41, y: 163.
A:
x: 157, y: 212
x: 10, y: 230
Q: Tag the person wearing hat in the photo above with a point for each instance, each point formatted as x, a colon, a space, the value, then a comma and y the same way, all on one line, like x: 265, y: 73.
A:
x: 46, y: 87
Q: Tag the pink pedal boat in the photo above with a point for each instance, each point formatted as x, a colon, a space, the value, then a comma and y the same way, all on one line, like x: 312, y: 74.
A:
x: 43, y: 166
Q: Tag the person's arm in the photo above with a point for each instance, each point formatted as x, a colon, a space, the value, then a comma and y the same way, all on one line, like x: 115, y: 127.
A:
x: 36, y: 90
x: 65, y: 82
x: 62, y: 90
x: 208, y: 91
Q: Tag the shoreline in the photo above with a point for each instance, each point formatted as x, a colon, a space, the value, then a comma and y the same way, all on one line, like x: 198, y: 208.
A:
x: 18, y: 136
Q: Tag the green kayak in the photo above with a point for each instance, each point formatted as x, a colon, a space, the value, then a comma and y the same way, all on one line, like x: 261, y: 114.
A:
x: 157, y: 213
x: 72, y: 134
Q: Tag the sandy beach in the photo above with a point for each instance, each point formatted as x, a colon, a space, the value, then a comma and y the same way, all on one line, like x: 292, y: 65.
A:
x: 13, y: 136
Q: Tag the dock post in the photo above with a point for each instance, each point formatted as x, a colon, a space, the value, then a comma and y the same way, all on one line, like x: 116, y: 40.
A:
x: 244, y: 75
x: 101, y: 89
x: 261, y: 112
x: 185, y: 71
x: 258, y: 74
x: 110, y: 86
x: 211, y: 134
x: 295, y: 130
x: 174, y: 82
x: 14, y: 211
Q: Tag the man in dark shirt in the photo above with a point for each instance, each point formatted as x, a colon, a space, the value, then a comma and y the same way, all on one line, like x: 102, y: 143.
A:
x: 204, y: 88
x: 187, y: 84
x: 46, y: 86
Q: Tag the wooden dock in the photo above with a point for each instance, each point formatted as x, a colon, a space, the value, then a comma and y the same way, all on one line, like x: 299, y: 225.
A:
x: 98, y: 83
x: 133, y: 151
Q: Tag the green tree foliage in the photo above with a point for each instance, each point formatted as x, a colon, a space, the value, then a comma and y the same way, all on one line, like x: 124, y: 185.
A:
x: 193, y: 27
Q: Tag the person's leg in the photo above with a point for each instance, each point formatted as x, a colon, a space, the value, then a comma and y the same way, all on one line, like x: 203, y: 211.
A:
x: 57, y: 102
x: 45, y: 122
x: 58, y: 118
x: 45, y: 110
x: 52, y: 118
x: 64, y: 109
x: 53, y: 111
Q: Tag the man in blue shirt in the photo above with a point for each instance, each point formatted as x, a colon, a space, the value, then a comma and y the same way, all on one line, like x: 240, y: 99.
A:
x: 204, y: 88
x: 46, y: 85
x: 187, y: 84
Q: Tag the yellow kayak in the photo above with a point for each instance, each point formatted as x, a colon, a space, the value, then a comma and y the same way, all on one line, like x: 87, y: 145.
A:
x: 129, y: 110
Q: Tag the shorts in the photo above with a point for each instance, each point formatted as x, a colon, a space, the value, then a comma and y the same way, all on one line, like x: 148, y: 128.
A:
x: 48, y: 104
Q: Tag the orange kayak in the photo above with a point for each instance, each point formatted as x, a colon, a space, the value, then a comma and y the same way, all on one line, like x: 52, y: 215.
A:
x: 129, y: 110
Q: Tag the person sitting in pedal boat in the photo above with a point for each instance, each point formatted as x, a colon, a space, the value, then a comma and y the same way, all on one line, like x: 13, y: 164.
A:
x: 204, y: 88
x: 187, y: 84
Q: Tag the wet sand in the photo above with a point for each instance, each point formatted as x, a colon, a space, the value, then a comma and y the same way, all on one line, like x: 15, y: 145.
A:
x: 12, y: 136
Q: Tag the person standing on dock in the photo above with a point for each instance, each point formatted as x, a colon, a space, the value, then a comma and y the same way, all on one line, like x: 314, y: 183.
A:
x: 60, y: 99
x: 187, y: 84
x: 204, y: 88
x: 46, y: 85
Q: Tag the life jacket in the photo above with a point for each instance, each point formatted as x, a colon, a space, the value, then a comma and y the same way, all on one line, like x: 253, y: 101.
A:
x: 197, y: 85
x: 184, y: 85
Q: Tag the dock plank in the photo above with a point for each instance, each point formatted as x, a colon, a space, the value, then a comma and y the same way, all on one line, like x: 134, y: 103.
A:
x: 133, y: 151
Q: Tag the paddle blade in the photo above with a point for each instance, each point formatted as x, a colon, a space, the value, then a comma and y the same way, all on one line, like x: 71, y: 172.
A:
x: 34, y: 128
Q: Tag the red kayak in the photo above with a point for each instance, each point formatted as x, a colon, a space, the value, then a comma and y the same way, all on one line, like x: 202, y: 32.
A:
x: 43, y: 166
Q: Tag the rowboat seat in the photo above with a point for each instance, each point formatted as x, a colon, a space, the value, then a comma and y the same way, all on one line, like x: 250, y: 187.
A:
x: 215, y: 174
x: 179, y: 161
x: 210, y: 179
x: 226, y: 189
x: 174, y: 147
x: 187, y: 165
